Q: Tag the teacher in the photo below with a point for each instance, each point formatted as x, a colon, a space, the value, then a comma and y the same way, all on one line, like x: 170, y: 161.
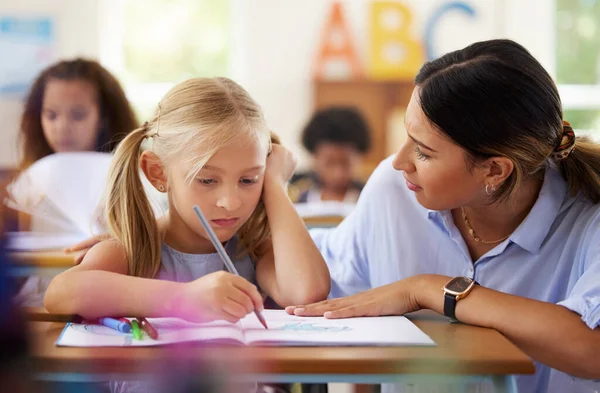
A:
x: 488, y: 214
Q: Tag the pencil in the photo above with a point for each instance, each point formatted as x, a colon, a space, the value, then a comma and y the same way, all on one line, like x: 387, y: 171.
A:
x: 223, y: 254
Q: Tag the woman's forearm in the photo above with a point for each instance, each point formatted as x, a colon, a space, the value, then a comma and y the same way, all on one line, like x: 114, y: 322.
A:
x: 98, y: 293
x: 301, y: 273
x: 550, y: 334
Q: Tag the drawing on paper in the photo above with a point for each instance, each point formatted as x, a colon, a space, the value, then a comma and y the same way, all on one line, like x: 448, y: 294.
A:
x: 312, y: 328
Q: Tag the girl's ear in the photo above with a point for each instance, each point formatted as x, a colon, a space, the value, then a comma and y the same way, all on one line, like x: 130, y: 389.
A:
x: 154, y: 170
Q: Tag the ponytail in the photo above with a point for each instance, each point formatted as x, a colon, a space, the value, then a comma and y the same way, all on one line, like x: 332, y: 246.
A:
x: 581, y: 169
x: 130, y: 217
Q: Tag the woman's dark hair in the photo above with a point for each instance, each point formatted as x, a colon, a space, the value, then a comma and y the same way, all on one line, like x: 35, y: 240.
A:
x: 116, y: 115
x: 494, y: 99
x: 338, y: 125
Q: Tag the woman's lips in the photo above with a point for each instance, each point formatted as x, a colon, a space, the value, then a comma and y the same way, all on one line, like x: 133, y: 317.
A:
x: 412, y: 186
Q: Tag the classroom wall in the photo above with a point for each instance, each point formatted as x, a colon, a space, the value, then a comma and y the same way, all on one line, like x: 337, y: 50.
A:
x: 76, y: 35
x: 274, y: 43
x: 277, y: 40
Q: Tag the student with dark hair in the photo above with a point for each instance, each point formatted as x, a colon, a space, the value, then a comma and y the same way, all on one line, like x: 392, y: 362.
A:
x: 489, y: 214
x: 74, y: 105
x: 336, y: 138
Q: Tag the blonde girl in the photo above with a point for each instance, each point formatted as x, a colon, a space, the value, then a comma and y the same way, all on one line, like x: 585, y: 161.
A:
x: 207, y: 145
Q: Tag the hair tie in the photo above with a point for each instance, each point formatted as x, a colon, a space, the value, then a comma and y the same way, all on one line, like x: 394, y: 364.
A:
x: 567, y: 143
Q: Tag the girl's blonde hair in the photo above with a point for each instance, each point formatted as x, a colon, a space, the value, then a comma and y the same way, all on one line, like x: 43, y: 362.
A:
x: 194, y: 120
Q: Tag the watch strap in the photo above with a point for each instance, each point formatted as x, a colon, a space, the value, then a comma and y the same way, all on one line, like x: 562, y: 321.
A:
x: 450, y: 306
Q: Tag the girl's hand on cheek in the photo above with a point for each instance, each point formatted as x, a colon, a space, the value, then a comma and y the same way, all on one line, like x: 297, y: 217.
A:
x: 218, y: 296
x: 281, y: 164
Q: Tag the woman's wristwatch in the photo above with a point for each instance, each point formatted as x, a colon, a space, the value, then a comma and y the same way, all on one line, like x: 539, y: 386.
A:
x: 456, y: 289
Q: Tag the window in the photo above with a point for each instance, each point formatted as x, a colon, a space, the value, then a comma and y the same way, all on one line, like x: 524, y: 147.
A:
x: 578, y: 62
x: 153, y: 44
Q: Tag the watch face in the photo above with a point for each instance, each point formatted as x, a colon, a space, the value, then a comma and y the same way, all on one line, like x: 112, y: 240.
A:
x: 459, y: 284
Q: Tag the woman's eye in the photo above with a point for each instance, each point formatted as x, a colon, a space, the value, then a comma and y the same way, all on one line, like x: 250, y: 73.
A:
x: 420, y: 154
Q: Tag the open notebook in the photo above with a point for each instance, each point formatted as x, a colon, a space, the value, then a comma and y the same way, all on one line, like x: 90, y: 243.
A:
x: 284, y: 330
x: 64, y: 194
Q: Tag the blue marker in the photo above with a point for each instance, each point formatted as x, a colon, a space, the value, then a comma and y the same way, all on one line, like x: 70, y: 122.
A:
x: 115, y: 324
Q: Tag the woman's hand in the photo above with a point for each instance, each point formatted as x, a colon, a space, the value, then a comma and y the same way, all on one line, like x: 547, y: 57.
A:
x: 393, y: 299
x: 218, y: 295
x: 281, y: 164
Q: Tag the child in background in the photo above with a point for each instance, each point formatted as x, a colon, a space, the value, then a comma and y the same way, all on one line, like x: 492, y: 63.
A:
x: 336, y: 139
x: 207, y: 145
x: 74, y: 105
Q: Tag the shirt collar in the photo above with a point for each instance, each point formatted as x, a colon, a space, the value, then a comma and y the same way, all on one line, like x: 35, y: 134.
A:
x: 531, y: 233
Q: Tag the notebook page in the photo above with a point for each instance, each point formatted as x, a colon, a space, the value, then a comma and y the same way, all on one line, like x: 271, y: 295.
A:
x: 170, y: 331
x: 289, y: 330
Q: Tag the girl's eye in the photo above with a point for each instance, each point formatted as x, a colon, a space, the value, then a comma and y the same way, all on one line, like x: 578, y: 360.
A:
x: 420, y: 154
x: 248, y: 182
x: 78, y: 116
x: 49, y: 115
x: 207, y: 182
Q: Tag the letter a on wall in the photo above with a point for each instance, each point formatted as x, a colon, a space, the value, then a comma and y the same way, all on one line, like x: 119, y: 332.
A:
x: 336, y: 58
x: 394, y: 52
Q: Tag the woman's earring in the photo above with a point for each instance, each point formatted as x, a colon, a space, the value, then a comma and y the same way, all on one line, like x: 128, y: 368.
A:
x: 161, y: 188
x: 490, y: 189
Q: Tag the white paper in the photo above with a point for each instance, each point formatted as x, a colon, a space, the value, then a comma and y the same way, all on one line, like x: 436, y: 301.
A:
x: 284, y: 330
x: 38, y: 241
x: 170, y: 331
x: 64, y: 194
x: 63, y: 188
x: 290, y: 330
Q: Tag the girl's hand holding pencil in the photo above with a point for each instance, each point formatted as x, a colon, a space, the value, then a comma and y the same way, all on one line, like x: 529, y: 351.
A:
x: 219, y: 295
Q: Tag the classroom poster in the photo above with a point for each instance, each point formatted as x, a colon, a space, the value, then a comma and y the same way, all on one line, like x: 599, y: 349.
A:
x: 27, y: 45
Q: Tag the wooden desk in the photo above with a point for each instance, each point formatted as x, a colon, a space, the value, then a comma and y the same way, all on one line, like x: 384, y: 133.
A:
x: 43, y: 259
x: 461, y: 351
x: 322, y: 221
x: 40, y: 262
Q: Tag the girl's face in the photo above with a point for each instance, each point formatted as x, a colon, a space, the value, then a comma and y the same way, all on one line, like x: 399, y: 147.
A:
x: 435, y: 168
x: 70, y: 115
x: 227, y: 190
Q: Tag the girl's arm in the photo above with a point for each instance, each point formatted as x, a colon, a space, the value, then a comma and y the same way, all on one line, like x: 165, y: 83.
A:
x: 291, y: 269
x: 100, y: 286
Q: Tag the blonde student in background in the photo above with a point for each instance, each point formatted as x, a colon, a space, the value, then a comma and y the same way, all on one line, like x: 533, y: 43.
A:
x: 207, y: 145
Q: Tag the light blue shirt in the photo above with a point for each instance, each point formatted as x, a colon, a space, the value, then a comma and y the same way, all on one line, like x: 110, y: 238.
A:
x: 553, y: 256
